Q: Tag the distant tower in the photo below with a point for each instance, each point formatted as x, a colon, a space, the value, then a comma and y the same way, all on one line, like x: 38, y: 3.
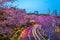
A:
x: 48, y: 11
x: 54, y: 13
x: 36, y: 12
x: 59, y: 14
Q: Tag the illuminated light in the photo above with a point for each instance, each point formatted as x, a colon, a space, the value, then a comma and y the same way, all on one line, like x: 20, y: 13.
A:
x: 57, y: 29
x: 25, y: 32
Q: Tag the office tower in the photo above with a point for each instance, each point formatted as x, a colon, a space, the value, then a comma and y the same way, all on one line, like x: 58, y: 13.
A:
x: 59, y: 14
x: 48, y: 11
x: 54, y: 13
x: 36, y: 12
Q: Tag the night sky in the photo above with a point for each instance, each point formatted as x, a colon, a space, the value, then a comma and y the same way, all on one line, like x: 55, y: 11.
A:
x: 36, y: 5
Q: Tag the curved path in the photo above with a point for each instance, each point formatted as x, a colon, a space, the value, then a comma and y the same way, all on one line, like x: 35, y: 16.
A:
x: 31, y: 30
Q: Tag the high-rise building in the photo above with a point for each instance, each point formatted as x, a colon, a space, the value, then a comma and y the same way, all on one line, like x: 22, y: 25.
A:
x: 59, y: 14
x: 36, y: 12
x: 54, y: 13
x: 48, y: 11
